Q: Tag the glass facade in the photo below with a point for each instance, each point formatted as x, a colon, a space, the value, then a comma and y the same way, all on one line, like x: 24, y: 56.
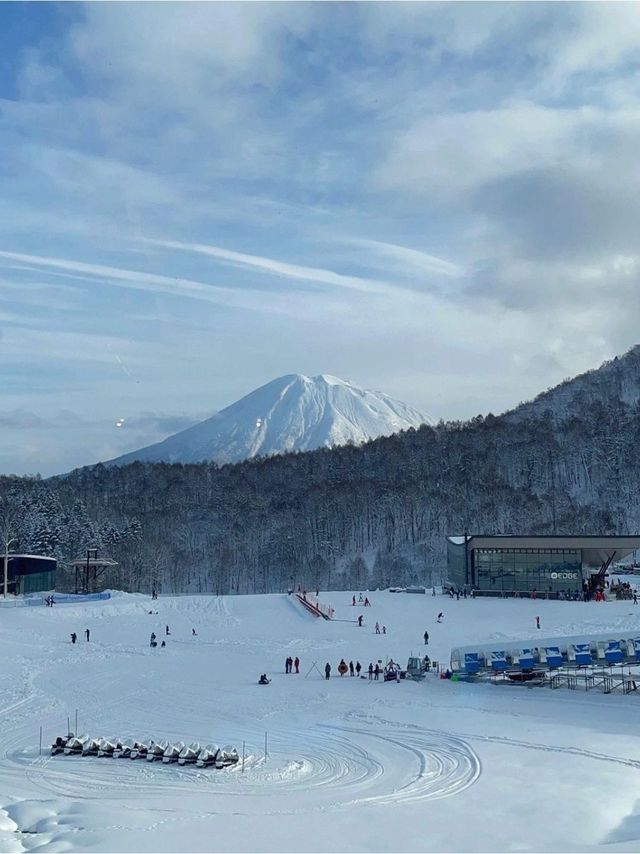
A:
x: 36, y: 581
x: 456, y: 564
x: 524, y: 570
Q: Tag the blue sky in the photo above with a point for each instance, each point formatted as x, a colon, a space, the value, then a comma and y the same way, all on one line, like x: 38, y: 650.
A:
x: 439, y: 201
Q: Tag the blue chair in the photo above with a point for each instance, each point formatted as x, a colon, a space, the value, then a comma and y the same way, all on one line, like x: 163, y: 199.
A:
x: 553, y: 656
x: 525, y: 660
x: 499, y: 661
x: 613, y: 653
x: 472, y: 662
x: 583, y: 653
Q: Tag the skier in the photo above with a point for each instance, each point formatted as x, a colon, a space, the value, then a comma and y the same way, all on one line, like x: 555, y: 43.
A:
x: 353, y: 601
x: 194, y: 633
x: 74, y: 637
x: 384, y: 630
x: 86, y: 633
x: 377, y: 628
x: 351, y: 668
x: 360, y: 598
x: 358, y: 668
x: 360, y: 621
x: 296, y: 664
x: 537, y: 622
x: 635, y: 598
x: 370, y: 670
x: 166, y: 630
x: 367, y: 604
x: 376, y: 672
x: 327, y: 670
x: 426, y: 638
x: 440, y: 616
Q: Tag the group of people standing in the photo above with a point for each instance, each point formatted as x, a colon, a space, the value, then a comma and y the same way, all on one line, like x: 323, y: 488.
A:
x: 289, y: 663
x: 361, y: 601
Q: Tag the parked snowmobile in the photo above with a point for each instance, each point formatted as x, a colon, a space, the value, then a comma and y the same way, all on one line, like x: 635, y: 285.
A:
x: 75, y: 745
x: 91, y: 746
x: 189, y: 755
x: 108, y: 747
x: 156, y: 750
x: 140, y: 749
x: 207, y: 756
x: 172, y: 752
x: 227, y: 756
x: 125, y: 749
x: 60, y: 743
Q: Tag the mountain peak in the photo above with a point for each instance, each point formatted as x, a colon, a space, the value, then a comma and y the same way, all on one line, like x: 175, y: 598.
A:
x: 290, y: 413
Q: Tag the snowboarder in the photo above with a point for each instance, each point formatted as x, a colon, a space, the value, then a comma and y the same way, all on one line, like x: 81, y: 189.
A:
x: 426, y: 638
x: 74, y: 637
x: 367, y: 604
x: 370, y: 670
x: 440, y: 616
x: 376, y: 672
x: 377, y: 628
x: 194, y: 633
x: 353, y: 601
x: 384, y: 630
x: 86, y: 634
x: 296, y: 664
x: 358, y: 668
x: 163, y: 643
x: 360, y: 621
x: 351, y: 669
x: 327, y: 670
x: 166, y: 630
x: 537, y: 622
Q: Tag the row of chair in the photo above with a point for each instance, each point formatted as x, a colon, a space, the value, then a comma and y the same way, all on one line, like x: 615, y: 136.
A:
x: 626, y: 651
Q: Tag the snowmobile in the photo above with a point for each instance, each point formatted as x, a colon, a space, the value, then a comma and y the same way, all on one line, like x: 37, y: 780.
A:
x: 91, y: 747
x: 156, y: 750
x: 207, y: 756
x: 60, y: 743
x: 172, y: 752
x: 189, y: 755
x: 125, y: 749
x: 227, y: 756
x: 140, y: 749
x: 75, y: 745
x: 108, y: 747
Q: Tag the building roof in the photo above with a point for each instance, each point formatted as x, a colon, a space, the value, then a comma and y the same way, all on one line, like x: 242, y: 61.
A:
x: 94, y: 562
x: 31, y: 557
x: 596, y: 548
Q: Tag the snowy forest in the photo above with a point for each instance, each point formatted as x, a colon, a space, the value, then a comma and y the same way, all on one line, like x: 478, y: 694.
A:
x: 349, y: 517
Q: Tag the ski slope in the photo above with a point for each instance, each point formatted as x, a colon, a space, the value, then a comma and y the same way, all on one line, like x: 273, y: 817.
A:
x: 352, y: 765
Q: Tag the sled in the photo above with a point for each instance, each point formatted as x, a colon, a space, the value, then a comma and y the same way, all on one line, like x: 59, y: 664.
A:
x: 189, y: 755
x: 207, y: 756
x: 172, y: 752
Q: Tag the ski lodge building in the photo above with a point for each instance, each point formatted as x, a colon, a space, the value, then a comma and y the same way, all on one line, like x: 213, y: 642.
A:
x: 29, y: 573
x: 497, y: 564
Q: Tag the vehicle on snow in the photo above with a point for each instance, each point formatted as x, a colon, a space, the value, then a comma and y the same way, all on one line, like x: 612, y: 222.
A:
x: 189, y: 755
x: 91, y: 746
x: 75, y: 745
x: 227, y: 756
x: 108, y: 747
x: 207, y: 756
x: 172, y: 752
x: 156, y: 751
x: 60, y: 743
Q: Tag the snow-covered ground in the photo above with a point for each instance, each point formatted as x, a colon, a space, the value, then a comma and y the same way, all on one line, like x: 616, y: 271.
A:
x: 353, y: 765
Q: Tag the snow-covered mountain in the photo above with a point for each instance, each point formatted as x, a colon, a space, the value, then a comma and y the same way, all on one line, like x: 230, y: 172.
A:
x: 291, y: 413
